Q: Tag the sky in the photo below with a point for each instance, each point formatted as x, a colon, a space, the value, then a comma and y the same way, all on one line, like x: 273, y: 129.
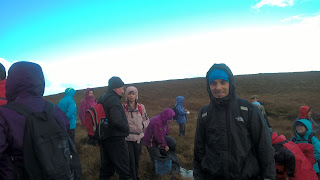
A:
x: 81, y: 43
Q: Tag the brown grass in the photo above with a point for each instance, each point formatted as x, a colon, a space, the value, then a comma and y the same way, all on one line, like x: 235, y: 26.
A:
x: 282, y: 93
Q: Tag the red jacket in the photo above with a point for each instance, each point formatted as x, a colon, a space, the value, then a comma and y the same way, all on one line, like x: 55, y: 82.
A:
x: 3, y: 99
x: 292, y: 160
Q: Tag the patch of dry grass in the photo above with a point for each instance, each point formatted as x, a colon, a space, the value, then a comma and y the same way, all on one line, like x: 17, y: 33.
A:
x: 283, y: 95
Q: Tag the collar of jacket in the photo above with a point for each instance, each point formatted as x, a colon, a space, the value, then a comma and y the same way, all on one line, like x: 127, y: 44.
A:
x: 113, y: 92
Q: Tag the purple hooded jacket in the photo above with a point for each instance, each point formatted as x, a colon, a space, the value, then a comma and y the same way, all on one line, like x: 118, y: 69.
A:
x: 157, y: 129
x: 25, y: 84
x: 86, y: 104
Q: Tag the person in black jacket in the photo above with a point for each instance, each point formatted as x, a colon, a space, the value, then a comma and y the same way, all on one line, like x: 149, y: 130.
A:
x: 232, y: 140
x: 114, y: 149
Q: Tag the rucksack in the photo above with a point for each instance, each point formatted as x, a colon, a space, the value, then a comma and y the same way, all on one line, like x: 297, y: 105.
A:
x: 125, y: 106
x: 48, y: 151
x: 175, y: 117
x: 96, y: 122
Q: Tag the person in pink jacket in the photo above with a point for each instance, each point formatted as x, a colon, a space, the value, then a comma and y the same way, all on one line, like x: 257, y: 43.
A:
x: 138, y: 121
x: 85, y: 104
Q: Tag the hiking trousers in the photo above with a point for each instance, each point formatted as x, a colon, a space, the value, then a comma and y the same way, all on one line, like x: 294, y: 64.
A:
x: 114, y: 155
x: 182, y: 129
x: 134, y: 156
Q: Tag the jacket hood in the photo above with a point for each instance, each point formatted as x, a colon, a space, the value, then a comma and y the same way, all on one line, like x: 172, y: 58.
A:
x: 180, y: 100
x: 2, y: 72
x: 69, y: 92
x: 276, y: 139
x: 86, y: 93
x: 166, y: 115
x: 232, y: 91
x: 24, y: 79
x: 303, y: 112
x: 308, y: 124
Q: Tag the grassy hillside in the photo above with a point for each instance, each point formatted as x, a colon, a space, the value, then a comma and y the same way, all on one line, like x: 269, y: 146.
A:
x: 283, y: 94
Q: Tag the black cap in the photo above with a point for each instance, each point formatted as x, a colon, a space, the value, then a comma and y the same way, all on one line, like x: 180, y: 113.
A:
x: 115, y: 82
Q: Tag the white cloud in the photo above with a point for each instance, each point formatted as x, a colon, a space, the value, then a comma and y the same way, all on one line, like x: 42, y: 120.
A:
x: 280, y: 3
x: 5, y: 63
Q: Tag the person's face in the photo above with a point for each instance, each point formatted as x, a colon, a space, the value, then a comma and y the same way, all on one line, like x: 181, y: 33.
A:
x: 119, y: 90
x: 219, y: 88
x: 132, y: 96
x: 90, y: 93
x: 254, y: 100
x: 301, y: 129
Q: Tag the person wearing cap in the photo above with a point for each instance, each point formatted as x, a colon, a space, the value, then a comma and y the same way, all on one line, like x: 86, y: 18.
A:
x: 303, y: 134
x: 259, y: 106
x: 138, y: 121
x: 255, y: 100
x: 305, y: 112
x: 3, y: 99
x: 158, y: 141
x: 114, y: 149
x: 232, y: 140
x: 68, y: 106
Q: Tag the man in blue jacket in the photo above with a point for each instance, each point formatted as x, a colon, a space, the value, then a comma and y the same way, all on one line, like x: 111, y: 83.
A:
x: 68, y: 106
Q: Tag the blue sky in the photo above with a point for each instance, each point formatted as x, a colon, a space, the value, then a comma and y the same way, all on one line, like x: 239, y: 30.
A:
x: 82, y: 44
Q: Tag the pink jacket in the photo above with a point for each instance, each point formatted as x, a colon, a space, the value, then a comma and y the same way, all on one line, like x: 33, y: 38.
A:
x: 85, y: 104
x: 137, y: 121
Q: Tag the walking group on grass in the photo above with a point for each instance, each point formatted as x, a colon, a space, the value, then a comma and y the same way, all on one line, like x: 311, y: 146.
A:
x: 233, y: 138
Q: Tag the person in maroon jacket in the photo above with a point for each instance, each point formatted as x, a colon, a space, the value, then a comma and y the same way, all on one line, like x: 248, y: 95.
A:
x: 25, y: 84
x: 3, y: 79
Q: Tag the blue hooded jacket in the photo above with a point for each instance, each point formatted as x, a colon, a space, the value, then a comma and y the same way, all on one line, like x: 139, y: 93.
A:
x: 181, y: 117
x: 304, y: 139
x: 68, y: 105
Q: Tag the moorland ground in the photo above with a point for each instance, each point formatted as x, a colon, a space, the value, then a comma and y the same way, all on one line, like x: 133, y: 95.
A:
x: 282, y: 93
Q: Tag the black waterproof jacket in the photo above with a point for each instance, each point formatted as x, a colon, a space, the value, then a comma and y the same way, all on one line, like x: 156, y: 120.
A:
x: 232, y: 140
x: 117, y: 121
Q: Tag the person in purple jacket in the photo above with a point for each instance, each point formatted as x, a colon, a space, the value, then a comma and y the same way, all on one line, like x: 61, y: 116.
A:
x: 25, y: 84
x: 157, y: 139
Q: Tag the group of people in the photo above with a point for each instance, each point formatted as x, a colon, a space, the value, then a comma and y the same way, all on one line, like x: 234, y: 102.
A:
x: 233, y: 138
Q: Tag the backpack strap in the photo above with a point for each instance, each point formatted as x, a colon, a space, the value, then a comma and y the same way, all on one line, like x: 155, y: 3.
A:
x: 294, y: 139
x: 19, y: 108
x: 310, y: 137
x: 125, y: 106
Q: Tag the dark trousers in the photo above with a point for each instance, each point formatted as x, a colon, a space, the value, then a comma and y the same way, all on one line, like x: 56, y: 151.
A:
x: 182, y: 129
x: 154, y: 152
x: 134, y: 156
x: 114, y: 158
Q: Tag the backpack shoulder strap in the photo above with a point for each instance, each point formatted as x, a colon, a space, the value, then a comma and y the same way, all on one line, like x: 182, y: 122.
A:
x: 139, y: 108
x: 19, y: 108
x: 310, y: 137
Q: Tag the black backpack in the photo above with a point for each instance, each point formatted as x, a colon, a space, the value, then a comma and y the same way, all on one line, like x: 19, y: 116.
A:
x: 48, y: 151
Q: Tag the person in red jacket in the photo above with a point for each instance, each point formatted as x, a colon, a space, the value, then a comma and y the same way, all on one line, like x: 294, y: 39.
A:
x: 293, y: 161
x: 3, y: 79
